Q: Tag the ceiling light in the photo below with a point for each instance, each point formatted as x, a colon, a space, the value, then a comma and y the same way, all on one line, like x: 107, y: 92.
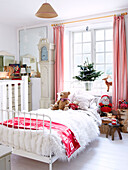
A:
x: 46, y: 11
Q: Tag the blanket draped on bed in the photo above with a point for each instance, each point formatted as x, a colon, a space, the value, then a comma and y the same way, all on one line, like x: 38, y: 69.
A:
x: 68, y: 138
x: 83, y: 124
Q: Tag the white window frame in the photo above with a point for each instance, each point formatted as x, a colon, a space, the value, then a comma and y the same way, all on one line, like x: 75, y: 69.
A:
x: 93, y: 48
x: 82, y: 42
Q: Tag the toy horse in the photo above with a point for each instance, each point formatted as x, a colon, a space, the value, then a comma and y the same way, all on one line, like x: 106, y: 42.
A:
x: 107, y: 83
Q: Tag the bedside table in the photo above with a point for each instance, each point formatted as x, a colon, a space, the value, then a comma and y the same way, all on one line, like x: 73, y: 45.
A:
x: 5, y: 157
x: 111, y: 130
x: 104, y: 125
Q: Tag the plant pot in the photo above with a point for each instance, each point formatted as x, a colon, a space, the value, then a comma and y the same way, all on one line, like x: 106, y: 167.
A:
x: 88, y: 85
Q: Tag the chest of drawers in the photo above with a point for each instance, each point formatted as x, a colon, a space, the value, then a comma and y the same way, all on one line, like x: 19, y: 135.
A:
x: 124, y: 122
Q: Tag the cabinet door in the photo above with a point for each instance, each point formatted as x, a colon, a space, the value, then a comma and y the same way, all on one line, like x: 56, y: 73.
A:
x: 124, y: 122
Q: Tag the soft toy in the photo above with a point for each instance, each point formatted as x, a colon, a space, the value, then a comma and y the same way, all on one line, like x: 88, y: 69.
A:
x: 74, y: 105
x: 105, y: 105
x: 63, y: 103
x: 9, y: 69
x: 123, y: 104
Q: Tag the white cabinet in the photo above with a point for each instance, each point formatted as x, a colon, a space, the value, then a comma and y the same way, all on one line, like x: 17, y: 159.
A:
x: 5, y: 157
x: 36, y: 93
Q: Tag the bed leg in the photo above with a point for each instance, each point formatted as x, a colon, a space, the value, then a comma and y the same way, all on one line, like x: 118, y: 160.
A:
x: 50, y: 166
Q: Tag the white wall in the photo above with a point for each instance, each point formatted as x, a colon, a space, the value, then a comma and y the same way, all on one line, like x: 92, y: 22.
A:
x: 84, y: 24
x: 8, y: 39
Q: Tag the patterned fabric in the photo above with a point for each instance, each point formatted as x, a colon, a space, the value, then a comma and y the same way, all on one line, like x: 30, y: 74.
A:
x: 67, y: 136
x: 64, y: 99
x: 58, y: 39
x: 120, y: 80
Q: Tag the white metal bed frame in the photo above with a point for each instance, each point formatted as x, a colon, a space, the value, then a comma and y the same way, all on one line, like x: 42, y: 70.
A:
x: 6, y: 114
x: 46, y: 159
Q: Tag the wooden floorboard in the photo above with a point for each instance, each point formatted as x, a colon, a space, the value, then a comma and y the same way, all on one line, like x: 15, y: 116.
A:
x: 102, y: 154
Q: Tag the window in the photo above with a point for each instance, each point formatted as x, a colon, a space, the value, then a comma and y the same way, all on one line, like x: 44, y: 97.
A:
x: 97, y: 46
x: 81, y: 48
x: 103, y: 54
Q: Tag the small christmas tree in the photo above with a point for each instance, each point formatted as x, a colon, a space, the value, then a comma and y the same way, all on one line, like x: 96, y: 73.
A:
x: 87, y: 72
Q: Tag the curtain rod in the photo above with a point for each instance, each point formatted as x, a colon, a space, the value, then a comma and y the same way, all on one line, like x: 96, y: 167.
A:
x: 70, y: 22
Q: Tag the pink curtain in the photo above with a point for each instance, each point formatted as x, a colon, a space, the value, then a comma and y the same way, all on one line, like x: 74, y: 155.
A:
x: 120, y: 84
x: 59, y: 58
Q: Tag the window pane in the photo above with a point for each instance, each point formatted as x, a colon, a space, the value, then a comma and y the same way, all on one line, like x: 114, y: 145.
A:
x: 76, y: 71
x: 100, y: 47
x: 109, y: 34
x: 99, y: 35
x: 100, y: 68
x: 87, y: 48
x: 100, y: 58
x: 109, y: 46
x: 109, y: 69
x: 109, y: 57
x: 77, y: 37
x: 86, y: 36
x: 77, y: 60
x: 77, y: 48
x: 87, y: 56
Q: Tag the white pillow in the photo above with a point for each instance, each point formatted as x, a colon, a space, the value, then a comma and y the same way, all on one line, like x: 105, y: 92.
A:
x: 72, y: 97
x: 95, y: 102
x: 83, y: 105
x: 82, y: 97
x: 83, y: 101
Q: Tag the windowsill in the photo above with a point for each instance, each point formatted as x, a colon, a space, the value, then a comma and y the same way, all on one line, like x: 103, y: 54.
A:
x: 99, y: 92
x: 98, y: 89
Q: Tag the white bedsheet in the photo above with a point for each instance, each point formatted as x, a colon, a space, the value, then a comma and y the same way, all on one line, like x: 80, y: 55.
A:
x: 84, y: 125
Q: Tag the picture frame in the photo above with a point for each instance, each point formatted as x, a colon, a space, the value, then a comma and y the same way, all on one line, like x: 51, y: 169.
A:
x: 16, y: 68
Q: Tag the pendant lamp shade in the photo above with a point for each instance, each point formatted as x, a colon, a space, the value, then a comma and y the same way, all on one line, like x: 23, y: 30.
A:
x: 46, y: 11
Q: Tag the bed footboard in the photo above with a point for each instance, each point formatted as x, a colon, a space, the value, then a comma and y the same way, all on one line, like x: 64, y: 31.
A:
x: 34, y: 119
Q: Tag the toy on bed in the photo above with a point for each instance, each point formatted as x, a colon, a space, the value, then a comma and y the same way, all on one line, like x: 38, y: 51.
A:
x: 105, y: 105
x: 62, y: 103
x: 74, y: 105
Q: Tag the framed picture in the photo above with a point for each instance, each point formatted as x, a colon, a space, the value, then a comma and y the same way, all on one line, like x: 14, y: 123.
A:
x: 16, y: 68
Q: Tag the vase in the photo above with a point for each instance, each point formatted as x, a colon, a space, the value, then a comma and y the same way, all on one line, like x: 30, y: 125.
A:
x: 88, y: 85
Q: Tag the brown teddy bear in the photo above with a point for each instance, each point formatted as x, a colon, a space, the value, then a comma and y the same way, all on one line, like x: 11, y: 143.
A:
x: 63, y: 103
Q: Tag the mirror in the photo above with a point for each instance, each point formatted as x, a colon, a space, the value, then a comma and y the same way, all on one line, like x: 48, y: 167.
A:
x: 30, y: 61
x: 28, y: 45
x: 6, y: 59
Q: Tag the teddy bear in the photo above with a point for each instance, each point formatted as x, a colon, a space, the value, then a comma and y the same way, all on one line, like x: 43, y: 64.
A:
x: 62, y: 103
